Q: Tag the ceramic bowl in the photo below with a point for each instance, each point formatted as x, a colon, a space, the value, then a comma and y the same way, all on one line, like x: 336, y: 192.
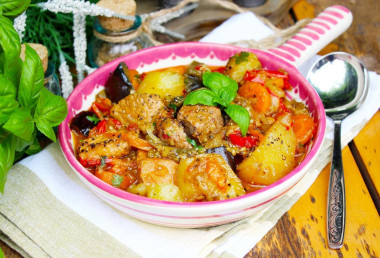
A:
x: 189, y: 215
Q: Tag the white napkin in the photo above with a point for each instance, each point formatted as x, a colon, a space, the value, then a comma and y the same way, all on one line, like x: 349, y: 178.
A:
x: 143, y: 239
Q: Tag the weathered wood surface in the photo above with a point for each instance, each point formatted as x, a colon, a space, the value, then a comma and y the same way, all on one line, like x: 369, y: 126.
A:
x: 302, y: 231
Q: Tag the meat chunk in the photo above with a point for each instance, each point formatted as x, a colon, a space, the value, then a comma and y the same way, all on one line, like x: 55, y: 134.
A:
x: 92, y: 150
x: 201, y: 122
x: 138, y: 109
x: 171, y: 132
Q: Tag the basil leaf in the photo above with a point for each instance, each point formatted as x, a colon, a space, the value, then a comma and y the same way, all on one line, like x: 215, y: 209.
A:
x: 220, y: 101
x: 13, y: 7
x: 32, y: 79
x: 20, y: 123
x: 8, y: 101
x: 201, y: 96
x: 240, y: 116
x: 225, y: 87
x: 21, y: 144
x: 229, y: 94
x: 34, y: 148
x: 216, y: 81
x: 10, y: 44
x: 9, y: 40
x: 7, y: 156
x: 47, y: 130
x: 51, y: 109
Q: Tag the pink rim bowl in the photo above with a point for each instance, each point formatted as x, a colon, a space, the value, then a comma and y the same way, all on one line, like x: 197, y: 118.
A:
x: 188, y: 215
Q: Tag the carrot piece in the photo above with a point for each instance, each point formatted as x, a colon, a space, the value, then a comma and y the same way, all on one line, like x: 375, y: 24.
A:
x: 133, y: 78
x: 97, y: 111
x: 262, y: 98
x: 303, y: 127
x: 137, y: 142
x: 118, y: 181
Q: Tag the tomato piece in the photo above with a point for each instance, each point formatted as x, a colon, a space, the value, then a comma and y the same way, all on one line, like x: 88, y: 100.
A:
x: 247, y: 141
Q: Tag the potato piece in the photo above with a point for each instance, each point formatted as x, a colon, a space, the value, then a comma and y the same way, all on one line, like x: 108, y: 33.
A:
x: 163, y: 83
x: 157, y: 171
x: 139, y: 189
x: 207, y: 177
x: 165, y: 192
x: 272, y: 159
x: 238, y: 64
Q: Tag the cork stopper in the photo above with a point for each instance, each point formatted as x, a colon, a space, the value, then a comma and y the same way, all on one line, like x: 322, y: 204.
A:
x: 41, y: 51
x: 124, y: 7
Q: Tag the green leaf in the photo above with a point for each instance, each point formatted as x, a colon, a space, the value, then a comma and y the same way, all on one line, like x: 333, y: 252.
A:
x: 8, y: 101
x: 14, y: 8
x: 2, y: 61
x: 240, y: 116
x: 47, y: 130
x: 34, y: 148
x: 228, y: 95
x: 194, y: 143
x: 20, y: 123
x: 21, y: 144
x: 225, y: 87
x: 93, y: 119
x: 201, y: 96
x: 7, y: 155
x: 117, y: 180
x: 10, y: 45
x: 241, y: 57
x: 51, y: 109
x: 32, y: 79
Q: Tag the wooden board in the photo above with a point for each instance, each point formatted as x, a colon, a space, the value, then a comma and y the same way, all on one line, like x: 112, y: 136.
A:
x: 368, y: 145
x: 302, y: 231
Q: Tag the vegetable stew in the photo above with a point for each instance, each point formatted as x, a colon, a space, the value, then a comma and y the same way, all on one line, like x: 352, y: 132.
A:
x: 194, y: 133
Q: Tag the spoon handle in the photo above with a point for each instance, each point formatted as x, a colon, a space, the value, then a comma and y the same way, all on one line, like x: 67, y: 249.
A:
x: 336, y: 206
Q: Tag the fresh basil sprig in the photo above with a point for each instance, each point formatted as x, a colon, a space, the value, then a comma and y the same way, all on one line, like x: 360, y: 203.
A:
x: 26, y: 105
x: 220, y: 90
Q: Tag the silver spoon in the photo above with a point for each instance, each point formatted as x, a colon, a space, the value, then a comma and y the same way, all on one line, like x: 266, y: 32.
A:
x: 341, y: 81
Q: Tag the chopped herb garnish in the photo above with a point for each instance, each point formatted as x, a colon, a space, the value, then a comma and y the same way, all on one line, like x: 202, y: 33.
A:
x: 117, y: 180
x: 93, y: 119
x: 172, y: 106
x: 242, y: 57
x: 194, y: 143
x: 103, y: 161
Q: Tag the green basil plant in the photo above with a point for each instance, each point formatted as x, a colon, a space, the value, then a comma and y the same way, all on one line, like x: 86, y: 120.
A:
x: 26, y: 106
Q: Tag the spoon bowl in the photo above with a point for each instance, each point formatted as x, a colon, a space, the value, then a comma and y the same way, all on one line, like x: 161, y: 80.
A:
x: 341, y: 81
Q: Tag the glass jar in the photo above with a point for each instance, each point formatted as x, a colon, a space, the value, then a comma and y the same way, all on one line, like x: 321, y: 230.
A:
x: 51, y: 81
x: 107, y: 45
